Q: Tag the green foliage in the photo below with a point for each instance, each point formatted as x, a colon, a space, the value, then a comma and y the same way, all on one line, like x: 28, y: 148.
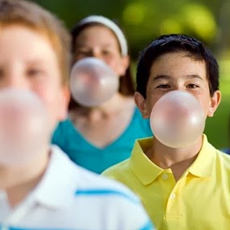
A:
x: 144, y: 20
x: 218, y: 127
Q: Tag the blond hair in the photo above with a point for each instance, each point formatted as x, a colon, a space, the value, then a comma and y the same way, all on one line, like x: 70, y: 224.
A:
x: 31, y: 15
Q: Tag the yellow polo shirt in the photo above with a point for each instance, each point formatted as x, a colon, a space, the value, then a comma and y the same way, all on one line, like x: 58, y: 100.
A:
x: 199, y: 200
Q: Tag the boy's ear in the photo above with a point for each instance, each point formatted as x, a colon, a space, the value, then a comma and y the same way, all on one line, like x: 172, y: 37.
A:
x: 141, y: 104
x: 63, y: 103
x: 214, y: 103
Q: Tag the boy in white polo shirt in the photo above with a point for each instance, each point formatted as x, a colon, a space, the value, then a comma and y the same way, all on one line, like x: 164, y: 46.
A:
x: 49, y: 191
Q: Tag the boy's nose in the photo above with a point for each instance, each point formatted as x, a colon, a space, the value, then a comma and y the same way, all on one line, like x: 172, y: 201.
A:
x: 96, y: 54
x: 178, y: 87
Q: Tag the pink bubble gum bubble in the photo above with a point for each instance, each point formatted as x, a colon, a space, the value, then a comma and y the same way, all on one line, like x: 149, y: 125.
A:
x: 177, y: 119
x: 23, y: 126
x: 92, y: 82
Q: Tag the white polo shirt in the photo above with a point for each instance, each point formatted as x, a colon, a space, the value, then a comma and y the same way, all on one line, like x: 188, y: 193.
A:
x: 70, y: 197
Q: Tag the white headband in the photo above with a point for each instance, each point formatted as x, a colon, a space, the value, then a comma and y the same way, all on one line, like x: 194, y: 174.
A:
x: 111, y: 25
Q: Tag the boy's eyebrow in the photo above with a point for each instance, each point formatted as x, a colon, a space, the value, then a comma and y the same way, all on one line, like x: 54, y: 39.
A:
x: 161, y: 77
x: 194, y: 76
x: 167, y: 77
x: 36, y: 62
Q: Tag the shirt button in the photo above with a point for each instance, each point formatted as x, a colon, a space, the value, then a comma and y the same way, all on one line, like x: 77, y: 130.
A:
x: 173, y: 196
x: 165, y: 176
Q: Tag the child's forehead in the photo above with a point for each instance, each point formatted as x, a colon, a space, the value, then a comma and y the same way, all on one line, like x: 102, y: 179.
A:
x: 170, y: 57
x: 24, y: 43
x: 178, y: 63
x: 20, y: 28
x: 98, y: 31
x: 26, y: 32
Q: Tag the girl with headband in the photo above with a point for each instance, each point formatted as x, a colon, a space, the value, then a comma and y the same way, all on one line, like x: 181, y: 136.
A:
x: 99, y: 137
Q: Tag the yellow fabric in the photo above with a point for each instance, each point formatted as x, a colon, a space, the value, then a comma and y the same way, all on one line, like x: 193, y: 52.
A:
x: 199, y: 200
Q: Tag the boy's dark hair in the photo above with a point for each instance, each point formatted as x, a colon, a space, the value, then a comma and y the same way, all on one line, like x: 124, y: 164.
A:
x: 176, y: 43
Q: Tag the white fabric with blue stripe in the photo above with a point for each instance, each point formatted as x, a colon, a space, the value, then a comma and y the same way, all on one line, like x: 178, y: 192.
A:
x: 69, y: 198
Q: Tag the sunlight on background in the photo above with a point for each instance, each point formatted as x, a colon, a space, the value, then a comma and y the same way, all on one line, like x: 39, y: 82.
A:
x: 199, y: 19
x: 171, y: 25
x: 134, y: 14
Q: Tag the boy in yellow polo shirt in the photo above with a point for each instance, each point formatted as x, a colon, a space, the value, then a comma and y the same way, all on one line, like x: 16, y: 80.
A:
x: 181, y: 188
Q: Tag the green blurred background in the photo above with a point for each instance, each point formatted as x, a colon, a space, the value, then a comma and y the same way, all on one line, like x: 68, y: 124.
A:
x: 143, y: 20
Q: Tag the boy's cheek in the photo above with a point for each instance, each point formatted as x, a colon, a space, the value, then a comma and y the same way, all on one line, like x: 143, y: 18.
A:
x: 61, y: 103
x: 56, y: 103
x: 65, y: 99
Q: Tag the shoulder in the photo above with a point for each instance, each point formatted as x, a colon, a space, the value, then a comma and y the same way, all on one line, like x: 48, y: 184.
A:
x: 92, y: 181
x: 223, y: 157
x: 110, y: 197
x: 117, y: 171
x: 63, y: 125
x: 220, y: 161
x: 86, y: 182
x: 84, y: 195
x: 63, y: 130
x: 219, y: 158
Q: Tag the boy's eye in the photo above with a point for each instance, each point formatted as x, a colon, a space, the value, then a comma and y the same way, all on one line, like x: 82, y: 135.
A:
x: 163, y: 86
x: 33, y: 72
x: 83, y: 52
x: 192, y: 86
x: 106, y: 52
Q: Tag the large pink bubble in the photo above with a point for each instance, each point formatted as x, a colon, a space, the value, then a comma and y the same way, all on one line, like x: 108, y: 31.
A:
x: 24, y: 126
x: 92, y: 82
x: 177, y: 119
